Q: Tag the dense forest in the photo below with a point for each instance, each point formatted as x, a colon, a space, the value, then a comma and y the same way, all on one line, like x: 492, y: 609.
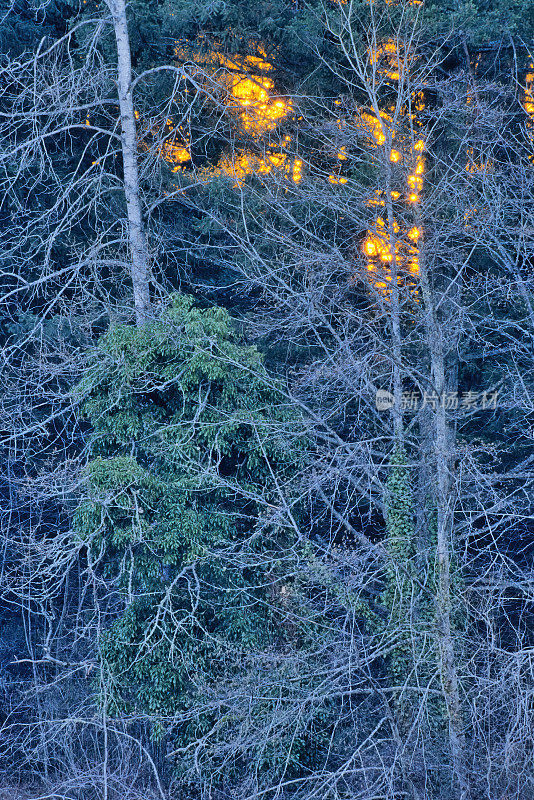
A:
x: 267, y: 400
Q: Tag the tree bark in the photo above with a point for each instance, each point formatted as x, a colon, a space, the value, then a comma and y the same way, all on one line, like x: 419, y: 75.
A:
x: 443, y: 460
x: 140, y: 269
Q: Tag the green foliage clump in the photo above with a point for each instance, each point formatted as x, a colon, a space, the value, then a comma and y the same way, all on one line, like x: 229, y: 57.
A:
x: 400, y: 509
x: 481, y: 22
x: 188, y: 434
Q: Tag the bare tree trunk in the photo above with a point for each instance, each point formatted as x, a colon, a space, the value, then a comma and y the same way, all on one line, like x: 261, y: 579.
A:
x: 449, y: 677
x: 396, y: 334
x: 443, y: 455
x: 136, y: 229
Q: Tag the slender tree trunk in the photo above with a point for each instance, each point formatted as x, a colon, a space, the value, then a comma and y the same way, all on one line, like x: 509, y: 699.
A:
x: 136, y: 229
x: 443, y: 460
x: 449, y: 675
x: 396, y: 334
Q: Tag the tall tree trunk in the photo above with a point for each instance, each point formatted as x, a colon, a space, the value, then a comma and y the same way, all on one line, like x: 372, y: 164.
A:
x: 443, y: 436
x: 136, y: 229
x: 395, y: 317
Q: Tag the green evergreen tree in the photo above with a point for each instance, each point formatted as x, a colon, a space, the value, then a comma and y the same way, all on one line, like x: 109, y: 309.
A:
x: 192, y: 455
